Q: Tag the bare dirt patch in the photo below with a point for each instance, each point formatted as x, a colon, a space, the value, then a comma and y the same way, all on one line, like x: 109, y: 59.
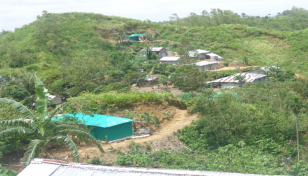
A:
x: 232, y: 68
x: 161, y: 88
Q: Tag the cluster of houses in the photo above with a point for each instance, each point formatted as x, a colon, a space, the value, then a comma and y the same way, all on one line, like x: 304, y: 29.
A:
x: 167, y: 57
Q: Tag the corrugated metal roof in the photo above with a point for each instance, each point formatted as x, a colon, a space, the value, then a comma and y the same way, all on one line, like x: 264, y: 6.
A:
x: 169, y: 58
x: 213, y: 54
x: 203, y: 63
x: 97, y: 120
x: 156, y: 48
x: 194, y: 53
x: 249, y: 77
x: 42, y: 167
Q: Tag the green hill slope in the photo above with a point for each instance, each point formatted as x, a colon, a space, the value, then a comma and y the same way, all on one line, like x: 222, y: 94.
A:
x: 51, y: 44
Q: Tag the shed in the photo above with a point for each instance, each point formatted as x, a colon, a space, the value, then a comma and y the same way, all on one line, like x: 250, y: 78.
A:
x: 50, y: 167
x: 230, y: 81
x: 170, y: 60
x: 201, y: 54
x: 55, y: 99
x: 206, y: 65
x: 104, y: 125
x: 159, y: 51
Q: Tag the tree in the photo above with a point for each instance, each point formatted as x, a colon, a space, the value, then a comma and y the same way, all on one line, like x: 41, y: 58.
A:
x: 188, y: 77
x: 43, y: 128
x: 245, y: 59
x: 84, y: 67
x: 163, y: 80
x: 184, y: 48
x: 240, y: 79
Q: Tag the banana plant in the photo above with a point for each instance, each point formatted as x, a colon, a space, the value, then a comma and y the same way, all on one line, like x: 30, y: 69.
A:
x: 43, y: 128
x: 151, y: 119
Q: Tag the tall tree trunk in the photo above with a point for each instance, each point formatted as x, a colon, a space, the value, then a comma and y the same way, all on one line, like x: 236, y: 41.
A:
x: 192, y: 94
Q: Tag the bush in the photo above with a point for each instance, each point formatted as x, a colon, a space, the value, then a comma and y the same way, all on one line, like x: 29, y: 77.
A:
x: 17, y: 93
x: 95, y: 161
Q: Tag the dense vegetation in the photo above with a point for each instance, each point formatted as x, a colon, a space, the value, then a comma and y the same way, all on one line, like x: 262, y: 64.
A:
x: 251, y: 129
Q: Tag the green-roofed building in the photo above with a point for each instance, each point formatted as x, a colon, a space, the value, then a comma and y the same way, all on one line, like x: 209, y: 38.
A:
x: 136, y: 37
x: 103, y: 125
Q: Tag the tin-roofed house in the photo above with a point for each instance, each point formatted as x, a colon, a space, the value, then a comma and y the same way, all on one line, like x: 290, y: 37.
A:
x: 200, y: 54
x: 159, y: 51
x: 104, y: 125
x: 231, y: 81
x: 206, y: 65
x: 170, y: 60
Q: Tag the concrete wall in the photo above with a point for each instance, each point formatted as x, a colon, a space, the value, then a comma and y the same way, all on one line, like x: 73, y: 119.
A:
x: 162, y: 53
x: 57, y: 100
x: 201, y: 56
x: 208, y: 67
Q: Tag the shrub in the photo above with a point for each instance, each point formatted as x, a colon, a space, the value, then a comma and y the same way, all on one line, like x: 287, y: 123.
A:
x: 95, y: 161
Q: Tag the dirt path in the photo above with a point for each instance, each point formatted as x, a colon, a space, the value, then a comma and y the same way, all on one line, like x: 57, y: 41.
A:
x: 87, y: 152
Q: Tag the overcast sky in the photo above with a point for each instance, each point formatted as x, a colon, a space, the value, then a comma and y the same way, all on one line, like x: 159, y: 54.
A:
x: 16, y: 13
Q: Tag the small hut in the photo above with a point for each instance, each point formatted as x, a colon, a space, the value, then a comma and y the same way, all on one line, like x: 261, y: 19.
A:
x: 159, y: 51
x: 103, y: 125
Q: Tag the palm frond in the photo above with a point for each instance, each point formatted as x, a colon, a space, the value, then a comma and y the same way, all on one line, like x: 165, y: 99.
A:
x: 14, y: 123
x: 14, y: 131
x: 83, y: 134
x: 32, y: 151
x: 19, y: 107
x: 71, y: 145
x: 59, y: 127
x: 53, y: 113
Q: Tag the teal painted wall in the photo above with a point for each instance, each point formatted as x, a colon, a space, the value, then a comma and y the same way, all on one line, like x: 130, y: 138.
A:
x: 114, y: 132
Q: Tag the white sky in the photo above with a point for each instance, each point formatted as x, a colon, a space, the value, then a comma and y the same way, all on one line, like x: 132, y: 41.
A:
x: 16, y: 13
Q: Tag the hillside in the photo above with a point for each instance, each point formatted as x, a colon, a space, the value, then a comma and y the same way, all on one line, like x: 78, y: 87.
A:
x: 83, y: 58
x: 56, y: 40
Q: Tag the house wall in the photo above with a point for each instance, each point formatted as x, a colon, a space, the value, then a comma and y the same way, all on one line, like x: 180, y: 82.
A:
x: 208, y: 67
x: 170, y: 62
x: 114, y: 132
x: 162, y: 53
x: 201, y: 56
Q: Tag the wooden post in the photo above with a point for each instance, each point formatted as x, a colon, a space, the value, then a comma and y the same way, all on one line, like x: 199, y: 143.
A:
x: 106, y: 137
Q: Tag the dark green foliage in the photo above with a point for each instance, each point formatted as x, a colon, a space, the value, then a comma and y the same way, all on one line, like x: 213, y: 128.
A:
x: 6, y: 172
x: 95, y: 161
x: 17, y: 93
x: 299, y: 169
